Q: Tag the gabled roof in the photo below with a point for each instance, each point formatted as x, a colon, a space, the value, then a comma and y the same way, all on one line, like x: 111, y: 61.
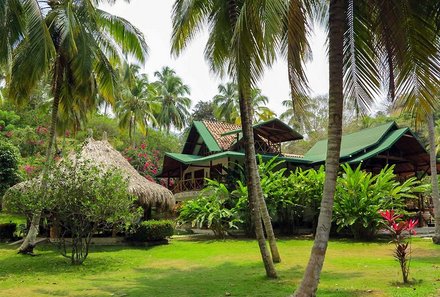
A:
x: 217, y: 129
x: 353, y: 143
x: 273, y: 130
x: 389, y: 140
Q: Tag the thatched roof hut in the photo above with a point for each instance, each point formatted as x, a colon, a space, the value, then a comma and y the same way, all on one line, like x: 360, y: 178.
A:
x: 101, y: 153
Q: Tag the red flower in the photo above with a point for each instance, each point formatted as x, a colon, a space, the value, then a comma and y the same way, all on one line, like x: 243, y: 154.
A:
x: 389, y: 216
x: 143, y: 146
x: 398, y: 227
x: 410, y: 225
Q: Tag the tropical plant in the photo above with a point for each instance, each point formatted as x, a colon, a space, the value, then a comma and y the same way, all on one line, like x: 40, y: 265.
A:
x: 75, y: 41
x: 171, y: 93
x: 361, y: 195
x: 242, y: 38
x: 397, y: 227
x: 9, y: 160
x: 227, y: 104
x: 210, y: 210
x: 137, y: 105
x: 203, y: 110
x: 363, y: 34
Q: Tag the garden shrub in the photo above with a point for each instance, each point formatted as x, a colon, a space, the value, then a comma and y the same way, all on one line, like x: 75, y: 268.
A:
x: 84, y: 198
x: 9, y: 160
x: 212, y: 209
x: 154, y: 230
x: 361, y: 195
x: 7, y: 231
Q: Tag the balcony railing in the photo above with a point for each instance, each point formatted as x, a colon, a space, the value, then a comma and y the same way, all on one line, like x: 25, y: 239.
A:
x: 194, y: 184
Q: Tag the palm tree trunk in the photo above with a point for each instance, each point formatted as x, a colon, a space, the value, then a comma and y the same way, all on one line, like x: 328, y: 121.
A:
x: 434, y: 179
x: 28, y: 244
x: 267, y: 222
x: 133, y: 120
x: 130, y: 132
x: 253, y: 183
x: 252, y: 176
x: 309, y: 284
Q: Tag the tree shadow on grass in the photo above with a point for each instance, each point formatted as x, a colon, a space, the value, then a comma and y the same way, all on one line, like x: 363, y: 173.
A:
x: 226, y: 279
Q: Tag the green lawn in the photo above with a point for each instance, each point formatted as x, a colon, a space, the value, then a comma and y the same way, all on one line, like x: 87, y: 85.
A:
x: 7, y: 218
x: 214, y: 268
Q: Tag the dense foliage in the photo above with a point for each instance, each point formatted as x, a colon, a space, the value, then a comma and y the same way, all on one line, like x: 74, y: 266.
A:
x: 211, y: 210
x: 9, y: 161
x: 361, y: 195
x: 82, y: 199
x: 7, y: 231
x: 293, y: 200
x: 153, y: 230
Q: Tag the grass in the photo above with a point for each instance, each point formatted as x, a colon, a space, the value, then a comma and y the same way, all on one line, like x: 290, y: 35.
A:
x: 7, y: 218
x: 218, y: 268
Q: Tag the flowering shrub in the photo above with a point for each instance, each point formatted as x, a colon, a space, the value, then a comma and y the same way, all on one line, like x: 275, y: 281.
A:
x: 401, y: 239
x: 146, y: 161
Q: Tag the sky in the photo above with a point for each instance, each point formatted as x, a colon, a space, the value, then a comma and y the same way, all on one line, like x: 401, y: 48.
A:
x: 153, y: 18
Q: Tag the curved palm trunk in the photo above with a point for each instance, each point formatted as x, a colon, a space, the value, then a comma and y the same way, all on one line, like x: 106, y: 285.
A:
x: 434, y: 178
x: 253, y: 183
x: 255, y: 193
x: 28, y: 244
x: 309, y: 284
x: 267, y: 222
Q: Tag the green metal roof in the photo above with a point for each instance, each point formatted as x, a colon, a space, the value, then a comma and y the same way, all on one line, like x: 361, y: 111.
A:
x: 286, y: 135
x: 388, y: 142
x: 209, y: 140
x: 353, y: 143
x: 191, y: 159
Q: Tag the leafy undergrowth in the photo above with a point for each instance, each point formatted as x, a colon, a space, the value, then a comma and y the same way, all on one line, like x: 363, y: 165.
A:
x: 218, y: 268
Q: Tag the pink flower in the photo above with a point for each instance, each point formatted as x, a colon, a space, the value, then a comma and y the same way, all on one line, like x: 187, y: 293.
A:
x: 28, y: 168
x: 389, y: 216
x: 143, y: 146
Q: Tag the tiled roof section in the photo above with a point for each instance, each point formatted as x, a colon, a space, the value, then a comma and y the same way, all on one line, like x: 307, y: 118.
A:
x: 219, y: 128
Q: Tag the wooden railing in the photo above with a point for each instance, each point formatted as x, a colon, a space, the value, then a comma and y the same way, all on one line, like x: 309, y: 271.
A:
x: 195, y: 184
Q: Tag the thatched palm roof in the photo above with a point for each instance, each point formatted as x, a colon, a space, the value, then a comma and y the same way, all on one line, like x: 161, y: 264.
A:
x: 101, y: 153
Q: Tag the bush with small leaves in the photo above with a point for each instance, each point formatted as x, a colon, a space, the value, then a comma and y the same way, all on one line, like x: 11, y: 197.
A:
x: 154, y: 230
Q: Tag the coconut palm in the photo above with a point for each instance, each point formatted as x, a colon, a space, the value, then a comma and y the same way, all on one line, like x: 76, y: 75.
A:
x: 75, y: 42
x: 137, y: 104
x: 228, y: 105
x: 241, y: 42
x: 226, y: 102
x: 172, y: 94
x: 363, y: 35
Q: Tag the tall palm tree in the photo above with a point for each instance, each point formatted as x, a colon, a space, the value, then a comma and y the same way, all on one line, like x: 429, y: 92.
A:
x: 363, y: 35
x: 241, y: 41
x: 75, y: 42
x: 260, y: 112
x: 137, y: 104
x: 228, y: 105
x: 172, y: 95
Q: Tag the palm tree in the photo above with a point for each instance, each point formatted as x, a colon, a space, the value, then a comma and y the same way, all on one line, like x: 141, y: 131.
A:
x: 172, y: 94
x: 137, y: 104
x: 228, y: 105
x: 241, y: 41
x: 361, y: 36
x: 226, y: 102
x: 75, y: 42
